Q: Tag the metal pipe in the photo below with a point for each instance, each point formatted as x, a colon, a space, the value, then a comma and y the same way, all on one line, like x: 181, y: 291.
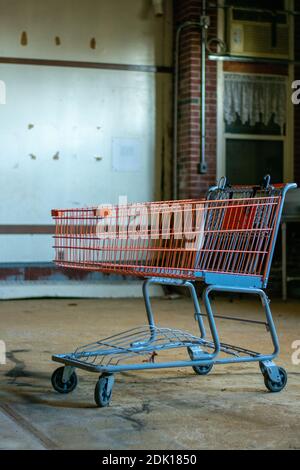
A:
x: 247, y: 59
x: 204, y: 26
x: 256, y: 10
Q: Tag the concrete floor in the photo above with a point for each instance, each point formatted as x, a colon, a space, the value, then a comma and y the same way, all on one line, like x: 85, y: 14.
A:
x: 166, y: 409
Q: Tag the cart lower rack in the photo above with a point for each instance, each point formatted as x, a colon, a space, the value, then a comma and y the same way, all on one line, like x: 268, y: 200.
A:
x: 226, y: 241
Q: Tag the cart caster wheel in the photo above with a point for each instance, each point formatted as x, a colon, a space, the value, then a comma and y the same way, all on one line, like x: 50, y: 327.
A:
x: 276, y: 386
x: 103, y: 390
x: 59, y: 385
x: 203, y: 370
x: 196, y: 353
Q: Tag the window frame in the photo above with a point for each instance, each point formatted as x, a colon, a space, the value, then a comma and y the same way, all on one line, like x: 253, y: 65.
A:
x: 222, y: 135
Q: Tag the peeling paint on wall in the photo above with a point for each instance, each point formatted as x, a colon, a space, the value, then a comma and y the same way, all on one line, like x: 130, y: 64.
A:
x: 93, y: 43
x: 24, y: 39
x: 46, y: 272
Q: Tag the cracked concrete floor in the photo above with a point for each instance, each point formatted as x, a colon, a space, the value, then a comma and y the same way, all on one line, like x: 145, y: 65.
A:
x: 164, y: 409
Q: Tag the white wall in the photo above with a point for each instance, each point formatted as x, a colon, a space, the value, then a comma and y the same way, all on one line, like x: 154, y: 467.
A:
x: 126, y: 31
x: 58, y: 124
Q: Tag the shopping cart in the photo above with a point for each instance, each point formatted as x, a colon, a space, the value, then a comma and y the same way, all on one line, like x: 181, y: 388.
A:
x: 226, y: 241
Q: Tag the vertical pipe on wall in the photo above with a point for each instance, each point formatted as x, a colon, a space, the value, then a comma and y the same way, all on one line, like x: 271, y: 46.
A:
x: 204, y: 21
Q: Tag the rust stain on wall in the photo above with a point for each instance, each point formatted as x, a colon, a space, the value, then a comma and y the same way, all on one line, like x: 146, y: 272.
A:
x: 24, y: 39
x: 76, y: 275
x: 6, y: 273
x: 36, y: 273
x: 93, y: 43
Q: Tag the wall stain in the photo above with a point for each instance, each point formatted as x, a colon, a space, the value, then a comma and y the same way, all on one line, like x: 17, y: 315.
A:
x: 32, y: 156
x: 98, y: 159
x: 93, y: 43
x: 30, y: 126
x: 37, y: 273
x: 73, y: 274
x: 57, y: 41
x: 56, y: 156
x: 24, y: 39
x: 10, y: 273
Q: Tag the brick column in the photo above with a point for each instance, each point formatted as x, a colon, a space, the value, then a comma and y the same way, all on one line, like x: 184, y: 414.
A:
x: 190, y: 183
x: 297, y: 107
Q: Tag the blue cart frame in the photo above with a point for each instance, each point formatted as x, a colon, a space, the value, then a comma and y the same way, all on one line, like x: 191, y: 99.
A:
x: 105, y: 356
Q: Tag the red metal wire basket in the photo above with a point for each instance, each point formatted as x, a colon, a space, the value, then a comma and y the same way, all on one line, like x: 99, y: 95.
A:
x: 228, y: 232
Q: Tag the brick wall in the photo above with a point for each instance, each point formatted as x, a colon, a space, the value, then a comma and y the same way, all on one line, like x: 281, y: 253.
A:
x: 297, y: 108
x: 190, y: 182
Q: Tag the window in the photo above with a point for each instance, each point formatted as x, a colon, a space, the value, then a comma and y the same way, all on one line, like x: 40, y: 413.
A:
x: 255, y: 115
x: 259, y: 128
x: 249, y: 160
x: 255, y: 104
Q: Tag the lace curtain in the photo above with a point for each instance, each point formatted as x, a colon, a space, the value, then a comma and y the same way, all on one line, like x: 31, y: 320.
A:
x: 255, y: 98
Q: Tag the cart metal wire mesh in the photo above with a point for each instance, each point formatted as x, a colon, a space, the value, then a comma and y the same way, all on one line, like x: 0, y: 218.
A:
x: 142, y: 345
x: 226, y: 240
x: 228, y: 232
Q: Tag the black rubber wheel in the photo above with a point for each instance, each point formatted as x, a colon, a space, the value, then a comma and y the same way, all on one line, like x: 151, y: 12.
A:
x: 59, y: 385
x: 200, y: 370
x: 103, y: 390
x: 275, y: 387
x: 203, y: 370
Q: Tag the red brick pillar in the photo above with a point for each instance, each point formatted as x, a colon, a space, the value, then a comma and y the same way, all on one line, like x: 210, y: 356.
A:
x: 190, y: 183
x: 297, y: 107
